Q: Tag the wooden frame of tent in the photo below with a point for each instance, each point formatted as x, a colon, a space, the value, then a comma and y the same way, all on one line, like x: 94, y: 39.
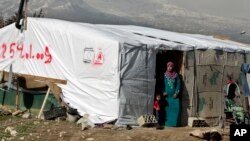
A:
x: 36, y: 82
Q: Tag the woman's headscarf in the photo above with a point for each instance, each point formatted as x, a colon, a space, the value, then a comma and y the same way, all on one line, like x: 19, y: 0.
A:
x: 172, y: 74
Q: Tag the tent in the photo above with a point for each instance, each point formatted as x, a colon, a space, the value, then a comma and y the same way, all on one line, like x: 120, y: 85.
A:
x: 111, y: 70
x: 205, y: 68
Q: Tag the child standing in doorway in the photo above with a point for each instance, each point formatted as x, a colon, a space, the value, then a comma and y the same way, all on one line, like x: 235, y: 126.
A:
x: 157, y: 108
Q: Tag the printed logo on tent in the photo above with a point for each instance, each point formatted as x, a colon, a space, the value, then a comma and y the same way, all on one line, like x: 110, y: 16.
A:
x: 88, y: 55
x: 99, y: 57
x: 9, y: 50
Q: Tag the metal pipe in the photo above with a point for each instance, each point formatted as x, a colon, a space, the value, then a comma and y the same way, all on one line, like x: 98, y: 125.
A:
x: 20, y: 14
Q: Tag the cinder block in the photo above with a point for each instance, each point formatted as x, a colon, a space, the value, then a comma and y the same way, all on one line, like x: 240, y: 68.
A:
x: 147, y: 120
x: 196, y: 122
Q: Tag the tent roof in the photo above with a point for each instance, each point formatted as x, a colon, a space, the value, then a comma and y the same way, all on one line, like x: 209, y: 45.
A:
x: 195, y: 40
x: 96, y: 31
x: 137, y: 35
x: 151, y: 41
x: 80, y: 29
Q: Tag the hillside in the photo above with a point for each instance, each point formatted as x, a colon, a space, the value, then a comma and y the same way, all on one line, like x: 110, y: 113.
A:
x: 158, y: 14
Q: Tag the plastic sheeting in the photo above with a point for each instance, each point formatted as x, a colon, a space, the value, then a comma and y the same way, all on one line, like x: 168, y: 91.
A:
x: 83, y: 56
x: 109, y: 69
x: 210, y: 104
x: 195, y: 40
x: 137, y: 82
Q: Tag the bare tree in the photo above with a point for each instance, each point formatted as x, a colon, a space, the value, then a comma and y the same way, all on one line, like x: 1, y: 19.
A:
x: 39, y: 14
x: 1, y: 21
x: 12, y: 19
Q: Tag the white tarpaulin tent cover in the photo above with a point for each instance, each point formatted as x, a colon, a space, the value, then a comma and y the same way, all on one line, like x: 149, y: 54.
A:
x: 195, y: 40
x: 88, y: 56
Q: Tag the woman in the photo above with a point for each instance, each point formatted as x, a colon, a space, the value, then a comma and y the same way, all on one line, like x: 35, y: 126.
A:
x: 171, y: 92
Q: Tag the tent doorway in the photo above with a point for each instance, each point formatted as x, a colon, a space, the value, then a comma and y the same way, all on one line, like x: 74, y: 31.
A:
x: 162, y: 57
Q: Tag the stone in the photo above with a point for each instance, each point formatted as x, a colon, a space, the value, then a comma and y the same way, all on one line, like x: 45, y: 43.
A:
x: 62, y: 133
x: 108, y: 126
x: 129, y: 138
x: 90, y: 139
x: 11, y: 131
x: 85, y: 123
x: 26, y: 115
x: 36, y: 122
x: 16, y: 113
x: 71, y: 118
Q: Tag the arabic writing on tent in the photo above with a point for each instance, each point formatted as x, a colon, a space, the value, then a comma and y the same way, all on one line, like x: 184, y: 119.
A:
x: 11, y: 49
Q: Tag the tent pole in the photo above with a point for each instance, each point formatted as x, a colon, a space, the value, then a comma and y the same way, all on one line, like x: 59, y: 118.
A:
x: 17, y: 95
x: 147, y: 76
x: 221, y: 120
x: 195, y: 88
x: 19, y: 14
x: 10, y: 77
x: 25, y: 14
x: 44, y: 102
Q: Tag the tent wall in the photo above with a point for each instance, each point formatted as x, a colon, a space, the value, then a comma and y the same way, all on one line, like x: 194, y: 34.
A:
x: 188, y: 100
x: 83, y: 56
x: 212, y: 69
x: 137, y: 81
x: 247, y: 57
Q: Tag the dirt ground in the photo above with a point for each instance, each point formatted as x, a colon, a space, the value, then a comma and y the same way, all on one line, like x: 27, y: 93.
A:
x: 57, y: 130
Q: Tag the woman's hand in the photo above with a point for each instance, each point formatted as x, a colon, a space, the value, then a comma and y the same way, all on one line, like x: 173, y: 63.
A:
x: 165, y: 94
x: 175, y: 96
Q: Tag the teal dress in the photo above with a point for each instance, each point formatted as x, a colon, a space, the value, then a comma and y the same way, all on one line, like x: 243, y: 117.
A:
x: 172, y: 109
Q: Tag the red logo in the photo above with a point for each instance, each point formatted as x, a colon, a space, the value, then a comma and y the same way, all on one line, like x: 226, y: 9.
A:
x: 99, y: 57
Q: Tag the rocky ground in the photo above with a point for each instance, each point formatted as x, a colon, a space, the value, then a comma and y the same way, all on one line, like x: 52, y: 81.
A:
x: 17, y: 128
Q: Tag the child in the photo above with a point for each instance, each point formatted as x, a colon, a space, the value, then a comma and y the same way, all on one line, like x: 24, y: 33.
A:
x: 157, y: 107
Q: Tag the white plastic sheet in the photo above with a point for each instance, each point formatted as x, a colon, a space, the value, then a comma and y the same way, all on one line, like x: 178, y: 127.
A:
x: 87, y: 60
x: 88, y: 57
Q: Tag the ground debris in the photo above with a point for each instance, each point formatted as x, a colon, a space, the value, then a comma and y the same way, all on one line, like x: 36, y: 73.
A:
x: 206, y: 134
x: 62, y: 133
x: 26, y: 115
x: 90, y: 139
x: 18, y: 113
x: 52, y: 130
x: 5, y: 111
x: 85, y: 122
x: 11, y: 131
x: 108, y: 126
